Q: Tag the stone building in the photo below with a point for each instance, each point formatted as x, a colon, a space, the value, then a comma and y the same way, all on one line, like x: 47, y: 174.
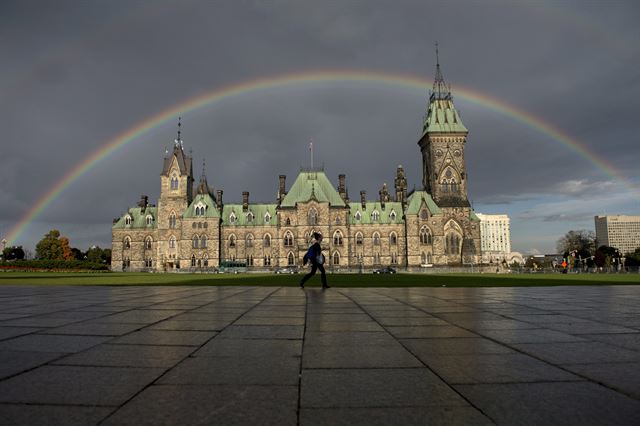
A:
x: 196, y: 230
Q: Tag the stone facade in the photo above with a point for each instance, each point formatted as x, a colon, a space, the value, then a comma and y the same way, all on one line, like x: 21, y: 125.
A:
x: 194, y: 230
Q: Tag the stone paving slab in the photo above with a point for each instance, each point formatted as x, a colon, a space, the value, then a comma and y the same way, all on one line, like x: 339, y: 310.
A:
x: 267, y: 355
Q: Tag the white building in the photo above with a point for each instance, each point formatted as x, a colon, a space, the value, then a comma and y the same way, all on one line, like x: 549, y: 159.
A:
x: 495, y: 237
x: 621, y: 232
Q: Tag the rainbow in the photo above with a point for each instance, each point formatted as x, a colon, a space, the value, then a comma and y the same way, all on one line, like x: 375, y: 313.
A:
x: 329, y: 76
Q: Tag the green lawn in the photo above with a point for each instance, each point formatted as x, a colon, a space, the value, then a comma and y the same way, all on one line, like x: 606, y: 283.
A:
x: 335, y: 280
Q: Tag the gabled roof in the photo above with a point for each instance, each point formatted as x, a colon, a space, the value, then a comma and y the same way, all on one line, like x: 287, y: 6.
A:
x: 207, y: 200
x: 312, y: 185
x: 416, y: 200
x: 370, y: 207
x: 258, y: 210
x: 138, y: 218
x: 183, y: 160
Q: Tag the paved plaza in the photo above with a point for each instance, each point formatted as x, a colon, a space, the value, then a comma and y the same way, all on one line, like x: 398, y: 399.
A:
x: 286, y: 356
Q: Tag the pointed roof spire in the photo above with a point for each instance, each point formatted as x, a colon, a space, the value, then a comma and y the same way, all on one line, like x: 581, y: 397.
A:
x: 203, y: 186
x: 440, y: 89
x: 179, y: 127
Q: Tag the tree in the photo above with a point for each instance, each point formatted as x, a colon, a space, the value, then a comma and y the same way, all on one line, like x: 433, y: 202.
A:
x: 50, y: 247
x: 13, y: 253
x: 77, y: 253
x: 67, y: 253
x: 97, y: 255
x: 582, y: 241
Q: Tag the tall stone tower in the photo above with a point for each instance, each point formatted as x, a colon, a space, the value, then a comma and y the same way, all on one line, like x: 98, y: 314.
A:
x: 442, y: 145
x: 176, y: 193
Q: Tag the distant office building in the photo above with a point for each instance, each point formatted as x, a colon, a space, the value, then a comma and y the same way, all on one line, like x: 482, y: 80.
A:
x: 495, y: 236
x: 621, y: 232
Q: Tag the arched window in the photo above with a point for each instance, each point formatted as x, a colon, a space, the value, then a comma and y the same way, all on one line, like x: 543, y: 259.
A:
x: 193, y: 260
x: 205, y: 260
x: 172, y: 242
x: 290, y: 259
x: 249, y: 240
x: 193, y: 225
x: 393, y: 238
x: 288, y: 221
x: 449, y: 181
x: 358, y: 216
x: 425, y: 236
x: 149, y: 220
x: 232, y: 240
x: 288, y: 239
x: 359, y: 239
x: 232, y: 218
x: 147, y: 243
x: 199, y: 263
x: 250, y: 260
x: 172, y: 220
x: 250, y: 217
x: 392, y: 216
x: 194, y: 242
x: 376, y: 239
x: 203, y: 241
x: 337, y: 238
x: 205, y: 225
x: 375, y: 216
x: 127, y: 220
x: 336, y: 258
x: 199, y: 225
x: 452, y: 243
x: 267, y: 217
x: 424, y: 214
x: 267, y: 261
x: 174, y: 182
x: 313, y: 216
x: 429, y: 258
x: 127, y: 242
x: 266, y: 241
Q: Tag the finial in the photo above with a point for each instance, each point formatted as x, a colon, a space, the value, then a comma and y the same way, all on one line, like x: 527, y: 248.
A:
x: 440, y: 89
x: 437, y: 57
x: 203, y: 167
x: 179, y: 126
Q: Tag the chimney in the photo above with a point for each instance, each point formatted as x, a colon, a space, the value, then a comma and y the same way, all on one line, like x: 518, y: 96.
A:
x: 382, y: 198
x: 245, y: 201
x: 401, y: 185
x: 342, y: 190
x: 219, y: 198
x: 281, y: 187
x: 363, y: 198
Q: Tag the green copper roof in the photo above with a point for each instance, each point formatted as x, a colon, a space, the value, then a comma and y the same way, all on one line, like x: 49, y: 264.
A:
x: 312, y: 185
x: 259, y: 211
x: 472, y: 216
x: 442, y: 117
x: 199, y: 199
x: 372, y: 206
x: 138, y: 218
x: 417, y: 199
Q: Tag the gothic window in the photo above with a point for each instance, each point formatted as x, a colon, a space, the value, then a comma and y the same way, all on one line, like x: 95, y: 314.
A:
x: 193, y: 260
x: 174, y: 182
x: 313, y: 216
x: 394, y: 259
x: 127, y: 220
x: 267, y: 261
x: 392, y: 216
x: 359, y: 239
x: 232, y: 241
x: 337, y: 238
x: 127, y: 242
x: 194, y: 242
x: 336, y: 258
x: 358, y: 216
x: 424, y: 214
x: 425, y: 236
x: 376, y: 239
x: 149, y: 220
x: 423, y: 258
x: 249, y: 240
x: 375, y: 216
x: 172, y: 242
x: 205, y: 261
x: 452, y: 243
x: 429, y: 258
x: 267, y: 217
x: 205, y: 225
x: 199, y: 225
x: 288, y: 221
x: 193, y: 225
x: 147, y: 243
x: 250, y: 260
x: 266, y: 241
x: 249, y: 217
x: 288, y: 239
x: 393, y: 239
x: 148, y: 263
x: 232, y: 218
x: 172, y: 220
x: 203, y: 241
x: 290, y: 259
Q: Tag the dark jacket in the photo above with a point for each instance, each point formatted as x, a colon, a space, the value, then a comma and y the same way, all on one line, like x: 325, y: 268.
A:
x: 314, y: 251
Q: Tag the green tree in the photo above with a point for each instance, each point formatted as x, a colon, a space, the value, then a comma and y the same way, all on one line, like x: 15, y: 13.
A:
x: 50, y: 247
x: 13, y: 253
x: 582, y: 241
x: 97, y: 255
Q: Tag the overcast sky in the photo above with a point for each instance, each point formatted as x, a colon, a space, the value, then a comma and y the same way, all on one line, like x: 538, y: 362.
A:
x: 75, y: 74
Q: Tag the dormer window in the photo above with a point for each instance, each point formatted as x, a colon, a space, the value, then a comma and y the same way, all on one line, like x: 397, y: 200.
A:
x: 250, y: 217
x: 149, y: 220
x: 375, y: 216
x: 232, y: 218
x: 358, y: 216
x: 201, y: 209
x: 392, y: 215
x: 127, y: 220
x: 267, y: 217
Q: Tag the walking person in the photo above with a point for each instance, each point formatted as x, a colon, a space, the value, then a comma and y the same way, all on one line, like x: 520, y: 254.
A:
x: 315, y: 256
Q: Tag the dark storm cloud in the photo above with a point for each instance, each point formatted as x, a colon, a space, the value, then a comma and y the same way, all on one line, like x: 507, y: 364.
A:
x: 75, y: 75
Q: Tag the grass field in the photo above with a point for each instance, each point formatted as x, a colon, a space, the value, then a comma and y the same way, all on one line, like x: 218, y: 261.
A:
x: 335, y: 280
